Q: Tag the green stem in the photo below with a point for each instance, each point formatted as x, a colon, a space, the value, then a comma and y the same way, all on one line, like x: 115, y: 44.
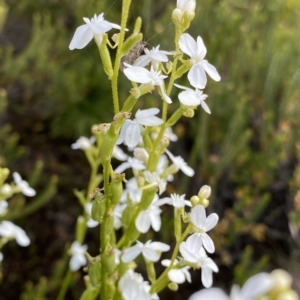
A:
x: 65, y: 285
x: 114, y: 79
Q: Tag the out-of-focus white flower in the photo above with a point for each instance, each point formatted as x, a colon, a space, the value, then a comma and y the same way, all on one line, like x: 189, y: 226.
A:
x: 1, y: 256
x: 184, y: 5
x: 155, y: 56
x: 155, y: 180
x: 147, y: 218
x: 255, y: 287
x: 197, y: 51
x: 142, y: 75
x: 10, y: 230
x: 179, y: 275
x: 118, y: 215
x: 150, y: 251
x: 201, y: 260
x: 201, y: 226
x: 141, y: 154
x: 93, y: 28
x: 3, y: 207
x: 130, y: 163
x: 176, y: 200
x: 131, y: 130
x: 119, y: 154
x: 191, y: 97
x: 170, y: 135
x: 23, y: 185
x: 132, y: 189
x: 204, y: 192
x: 179, y: 162
x: 133, y: 287
x: 78, y: 258
x: 83, y: 143
x: 88, y: 209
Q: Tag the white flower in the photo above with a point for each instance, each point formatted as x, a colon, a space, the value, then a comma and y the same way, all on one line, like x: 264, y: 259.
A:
x: 78, y: 258
x: 184, y: 5
x: 23, y: 185
x: 181, y: 164
x: 149, y: 250
x: 83, y: 143
x: 88, y: 209
x: 175, y: 200
x: 201, y: 226
x: 200, y: 260
x: 147, y: 218
x: 170, y: 135
x: 119, y: 154
x: 179, y: 275
x: 130, y: 163
x: 6, y: 189
x: 10, y: 230
x: 93, y: 28
x: 191, y: 97
x: 3, y: 207
x: 255, y: 287
x: 155, y: 56
x: 1, y: 256
x: 155, y: 180
x: 204, y: 192
x: 132, y: 190
x: 142, y: 75
x: 197, y: 51
x: 131, y: 130
x: 133, y: 287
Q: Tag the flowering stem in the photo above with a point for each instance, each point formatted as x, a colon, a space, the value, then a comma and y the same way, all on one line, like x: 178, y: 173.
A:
x: 65, y: 285
x: 114, y: 79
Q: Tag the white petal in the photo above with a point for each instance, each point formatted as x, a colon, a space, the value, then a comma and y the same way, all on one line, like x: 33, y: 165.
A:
x: 91, y: 223
x: 187, y: 255
x: 133, y: 135
x: 209, y: 294
x: 189, y: 98
x: 28, y: 191
x: 76, y: 262
x: 211, y: 71
x: 206, y: 277
x: 142, y: 222
x: 188, y: 45
x: 147, y: 117
x: 256, y: 286
x: 201, y: 49
x: 209, y: 263
x: 160, y: 56
x: 123, y: 131
x: 122, y: 167
x: 150, y: 254
x: 22, y: 238
x: 197, y: 77
x: 208, y: 243
x: 211, y: 221
x: 142, y: 61
x: 183, y: 87
x: 131, y: 253
x: 164, y: 95
x: 155, y: 221
x: 17, y: 177
x: 205, y: 107
x: 82, y: 36
x: 138, y: 74
x: 100, y: 27
x: 194, y: 243
x: 158, y: 246
x: 198, y: 216
x: 176, y: 275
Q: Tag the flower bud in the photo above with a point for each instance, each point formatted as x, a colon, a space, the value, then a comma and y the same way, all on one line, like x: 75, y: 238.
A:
x: 281, y: 279
x: 204, y: 192
x: 141, y: 154
x: 177, y: 16
x: 189, y: 113
x: 116, y: 187
x: 188, y: 16
x: 195, y: 200
x: 173, y: 286
x: 95, y: 273
x: 288, y: 295
x: 135, y: 92
x: 105, y: 56
x: 204, y: 202
x: 98, y: 209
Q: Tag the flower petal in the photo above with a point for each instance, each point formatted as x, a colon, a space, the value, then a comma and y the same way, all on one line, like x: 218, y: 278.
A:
x: 206, y: 277
x: 142, y: 222
x: 201, y: 49
x: 211, y: 221
x: 176, y: 275
x: 82, y: 36
x: 189, y: 98
x: 194, y: 243
x: 137, y: 74
x: 198, y: 216
x: 211, y: 70
x: 209, y: 294
x: 208, y: 243
x: 188, y: 45
x: 131, y: 253
x: 133, y: 135
x: 197, y: 77
x: 150, y: 254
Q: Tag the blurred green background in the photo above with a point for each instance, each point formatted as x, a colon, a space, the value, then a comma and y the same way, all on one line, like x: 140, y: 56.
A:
x: 248, y: 149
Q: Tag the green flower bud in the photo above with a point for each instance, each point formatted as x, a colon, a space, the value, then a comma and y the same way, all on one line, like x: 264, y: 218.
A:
x: 188, y: 16
x: 173, y: 286
x: 105, y: 57
x: 108, y: 260
x: 189, y: 113
x: 116, y: 188
x: 195, y: 200
x: 177, y: 17
x: 109, y: 222
x: 90, y: 294
x: 94, y: 271
x: 98, y: 208
x: 204, y: 202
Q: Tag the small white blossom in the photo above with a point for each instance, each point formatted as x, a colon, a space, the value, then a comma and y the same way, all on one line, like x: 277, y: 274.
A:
x: 179, y: 275
x: 83, y: 143
x: 185, y: 5
x: 197, y: 51
x: 93, y: 28
x: 3, y: 207
x: 150, y: 251
x: 255, y: 287
x: 170, y: 135
x: 10, y: 230
x: 204, y: 192
x: 147, y: 218
x: 201, y: 226
x: 155, y: 180
x: 176, y: 200
x: 179, y: 162
x: 131, y: 130
x: 155, y: 56
x: 119, y: 154
x: 142, y: 75
x: 78, y: 258
x: 200, y: 260
x: 191, y: 97
x: 1, y: 256
x: 88, y: 209
x: 6, y: 189
x: 130, y: 163
x: 23, y: 185
x: 132, y: 190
